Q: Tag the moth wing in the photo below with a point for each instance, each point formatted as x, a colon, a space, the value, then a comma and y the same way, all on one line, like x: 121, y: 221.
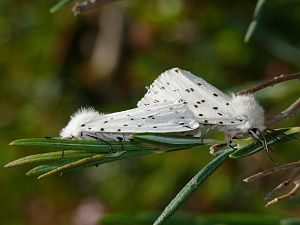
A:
x: 203, y: 99
x: 160, y: 118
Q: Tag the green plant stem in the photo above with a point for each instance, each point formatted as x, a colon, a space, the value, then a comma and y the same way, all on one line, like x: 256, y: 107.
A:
x: 193, y: 185
x: 256, y: 17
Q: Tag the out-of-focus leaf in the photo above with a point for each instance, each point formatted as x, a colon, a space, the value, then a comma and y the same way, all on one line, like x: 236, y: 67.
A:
x: 239, y: 219
x: 58, y: 5
x: 146, y: 219
x: 279, y: 135
x: 229, y: 218
x: 193, y: 185
x: 256, y: 17
x: 290, y: 221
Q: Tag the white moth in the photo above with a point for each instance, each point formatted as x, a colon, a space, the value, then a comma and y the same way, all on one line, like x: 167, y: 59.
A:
x: 236, y: 115
x: 88, y: 124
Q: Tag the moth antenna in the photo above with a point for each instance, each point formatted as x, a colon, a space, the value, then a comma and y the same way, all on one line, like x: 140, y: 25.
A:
x: 267, y: 148
x: 285, y: 135
x: 271, y: 133
x: 263, y: 141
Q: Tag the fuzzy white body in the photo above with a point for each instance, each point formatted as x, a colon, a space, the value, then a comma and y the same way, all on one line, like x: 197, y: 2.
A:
x: 88, y: 124
x: 233, y: 114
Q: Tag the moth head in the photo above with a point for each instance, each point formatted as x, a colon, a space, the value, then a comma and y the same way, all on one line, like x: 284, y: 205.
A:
x: 78, y: 122
x: 250, y: 111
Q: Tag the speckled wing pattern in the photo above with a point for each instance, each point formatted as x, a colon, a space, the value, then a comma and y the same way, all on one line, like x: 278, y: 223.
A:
x: 159, y: 118
x: 209, y: 105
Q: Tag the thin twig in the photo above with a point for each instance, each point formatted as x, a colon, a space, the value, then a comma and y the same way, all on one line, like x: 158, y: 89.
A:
x: 80, y: 7
x: 288, y: 112
x: 290, y: 194
x: 272, y: 82
x: 282, y: 184
x: 272, y: 171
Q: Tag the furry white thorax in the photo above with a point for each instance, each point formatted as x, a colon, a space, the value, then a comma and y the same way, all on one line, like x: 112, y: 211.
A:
x: 77, y: 121
x: 247, y: 109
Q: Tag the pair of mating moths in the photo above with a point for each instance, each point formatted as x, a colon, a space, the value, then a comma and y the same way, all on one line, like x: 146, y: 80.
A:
x: 177, y: 102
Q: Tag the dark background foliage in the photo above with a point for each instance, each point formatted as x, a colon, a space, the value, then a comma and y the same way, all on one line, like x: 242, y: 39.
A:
x: 51, y: 64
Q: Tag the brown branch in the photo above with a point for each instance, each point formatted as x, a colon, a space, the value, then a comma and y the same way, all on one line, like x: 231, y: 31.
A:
x: 80, y: 7
x: 290, y: 194
x: 288, y: 112
x: 272, y: 82
x: 291, y: 110
x: 283, y: 184
x: 272, y: 171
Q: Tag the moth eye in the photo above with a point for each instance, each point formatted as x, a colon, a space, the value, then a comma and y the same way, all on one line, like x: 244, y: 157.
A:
x: 255, y: 130
x: 82, y: 125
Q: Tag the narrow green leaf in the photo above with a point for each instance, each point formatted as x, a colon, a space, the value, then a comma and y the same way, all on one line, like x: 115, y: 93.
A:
x: 174, y: 141
x: 97, y: 160
x: 256, y: 17
x: 58, y: 5
x: 38, y: 170
x: 193, y: 185
x: 279, y: 135
x: 91, y: 146
x: 49, y: 156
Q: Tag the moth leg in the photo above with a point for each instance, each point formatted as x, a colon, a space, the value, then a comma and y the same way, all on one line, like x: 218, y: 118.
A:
x: 99, y: 139
x: 206, y: 133
x: 120, y: 139
x: 229, y: 141
x: 62, y: 153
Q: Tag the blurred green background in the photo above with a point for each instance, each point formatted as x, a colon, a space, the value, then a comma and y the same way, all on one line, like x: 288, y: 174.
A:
x: 51, y: 64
